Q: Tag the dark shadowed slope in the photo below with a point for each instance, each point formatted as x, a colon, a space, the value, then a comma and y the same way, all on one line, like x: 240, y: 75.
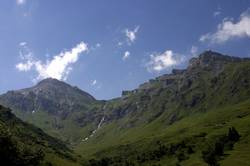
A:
x: 23, y: 144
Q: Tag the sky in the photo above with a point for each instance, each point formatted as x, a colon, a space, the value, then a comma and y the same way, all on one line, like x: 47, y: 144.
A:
x: 104, y: 47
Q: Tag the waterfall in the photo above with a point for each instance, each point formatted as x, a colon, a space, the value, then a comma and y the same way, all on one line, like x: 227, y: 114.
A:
x: 94, y: 131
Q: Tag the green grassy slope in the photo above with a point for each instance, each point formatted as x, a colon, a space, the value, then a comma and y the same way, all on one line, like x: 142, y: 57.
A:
x: 195, y: 131
x: 23, y: 144
x: 72, y: 129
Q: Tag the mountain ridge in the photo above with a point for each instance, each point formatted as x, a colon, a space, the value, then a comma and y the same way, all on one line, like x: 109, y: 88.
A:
x: 149, y: 114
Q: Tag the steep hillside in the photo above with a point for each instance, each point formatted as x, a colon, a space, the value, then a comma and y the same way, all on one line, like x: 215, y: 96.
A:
x: 23, y: 144
x: 184, y: 92
x: 55, y: 107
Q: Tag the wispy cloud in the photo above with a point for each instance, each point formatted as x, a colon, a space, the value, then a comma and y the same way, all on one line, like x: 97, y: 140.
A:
x: 21, y: 2
x: 94, y: 82
x: 96, y: 85
x: 22, y: 44
x: 163, y: 61
x: 131, y: 34
x: 119, y: 44
x: 217, y: 13
x: 126, y: 55
x: 58, y: 67
x: 98, y: 45
x: 228, y: 30
x: 194, y: 50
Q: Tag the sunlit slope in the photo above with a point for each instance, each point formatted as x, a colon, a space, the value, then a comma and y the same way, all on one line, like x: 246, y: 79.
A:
x: 178, y: 119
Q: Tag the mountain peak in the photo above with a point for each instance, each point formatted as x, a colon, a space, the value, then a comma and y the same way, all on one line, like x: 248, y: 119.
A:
x: 52, y: 83
x: 211, y: 58
x: 50, y: 79
x: 49, y: 94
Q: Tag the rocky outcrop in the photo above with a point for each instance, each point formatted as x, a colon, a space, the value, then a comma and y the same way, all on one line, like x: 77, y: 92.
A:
x: 213, y: 59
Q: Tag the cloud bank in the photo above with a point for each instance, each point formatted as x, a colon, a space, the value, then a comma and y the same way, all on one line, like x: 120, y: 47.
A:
x: 58, y: 67
x: 228, y: 30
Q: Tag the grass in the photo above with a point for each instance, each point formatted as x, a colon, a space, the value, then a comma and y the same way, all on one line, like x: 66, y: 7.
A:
x: 214, y: 123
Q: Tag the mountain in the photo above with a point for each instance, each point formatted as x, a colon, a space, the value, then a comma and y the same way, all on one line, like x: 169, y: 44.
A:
x: 49, y: 95
x: 22, y: 144
x: 185, y: 91
x: 53, y: 106
x: 194, y: 116
x: 182, y: 118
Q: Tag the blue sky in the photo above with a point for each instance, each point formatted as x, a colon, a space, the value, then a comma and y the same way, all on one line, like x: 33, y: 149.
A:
x: 104, y: 47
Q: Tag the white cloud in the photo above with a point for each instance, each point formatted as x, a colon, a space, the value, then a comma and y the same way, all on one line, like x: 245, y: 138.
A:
x: 163, y: 61
x: 94, y: 82
x: 58, y: 67
x: 126, y: 55
x: 194, y: 50
x: 26, y: 55
x: 131, y: 34
x: 20, y: 2
x: 22, y: 44
x: 228, y: 30
x: 24, y: 66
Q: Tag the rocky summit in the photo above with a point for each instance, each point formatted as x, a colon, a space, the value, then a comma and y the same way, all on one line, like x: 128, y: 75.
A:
x: 49, y: 95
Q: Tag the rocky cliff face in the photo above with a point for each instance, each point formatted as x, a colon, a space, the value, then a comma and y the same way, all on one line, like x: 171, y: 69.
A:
x: 213, y: 60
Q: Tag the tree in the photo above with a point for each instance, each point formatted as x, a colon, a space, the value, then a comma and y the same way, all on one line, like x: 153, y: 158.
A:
x: 233, y: 134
